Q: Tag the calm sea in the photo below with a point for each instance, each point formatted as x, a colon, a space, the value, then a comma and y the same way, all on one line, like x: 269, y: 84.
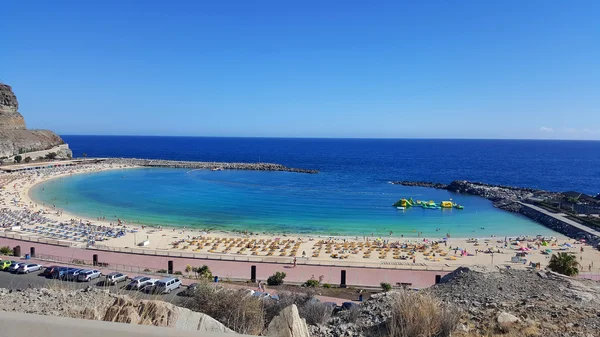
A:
x: 350, y: 196
x: 550, y: 165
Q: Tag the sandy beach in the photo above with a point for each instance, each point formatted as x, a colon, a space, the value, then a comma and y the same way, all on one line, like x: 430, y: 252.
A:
x: 413, y: 252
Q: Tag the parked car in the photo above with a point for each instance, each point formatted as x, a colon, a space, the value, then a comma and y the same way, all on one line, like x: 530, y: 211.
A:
x: 166, y: 285
x: 189, y: 291
x: 49, y: 270
x: 28, y: 268
x: 148, y: 285
x: 114, y: 278
x: 137, y: 282
x: 88, y: 275
x: 72, y: 274
x: 5, y: 264
x: 14, y: 266
x: 59, y: 273
x: 348, y: 305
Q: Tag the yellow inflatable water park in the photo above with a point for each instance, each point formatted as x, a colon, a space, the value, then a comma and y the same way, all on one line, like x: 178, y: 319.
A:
x: 406, y: 203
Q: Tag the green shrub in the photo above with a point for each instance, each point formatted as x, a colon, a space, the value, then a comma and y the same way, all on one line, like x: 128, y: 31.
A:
x: 162, y: 271
x: 178, y: 273
x: 311, y: 283
x: 385, y: 286
x: 564, y: 263
x: 147, y: 270
x: 6, y: 250
x: 18, y: 158
x: 27, y: 159
x: 204, y: 273
x: 276, y: 279
x: 326, y: 285
x: 51, y: 155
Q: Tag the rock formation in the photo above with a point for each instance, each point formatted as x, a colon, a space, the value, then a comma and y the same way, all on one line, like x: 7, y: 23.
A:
x: 15, y: 139
x: 96, y: 304
x: 288, y: 324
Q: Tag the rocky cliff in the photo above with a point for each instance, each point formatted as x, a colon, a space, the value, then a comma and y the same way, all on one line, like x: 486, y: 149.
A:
x: 15, y: 138
x: 97, y: 304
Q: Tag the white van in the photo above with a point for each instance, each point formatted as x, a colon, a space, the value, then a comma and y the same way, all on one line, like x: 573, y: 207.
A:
x: 166, y: 285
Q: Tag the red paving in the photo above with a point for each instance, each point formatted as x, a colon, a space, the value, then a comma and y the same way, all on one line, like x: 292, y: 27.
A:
x: 236, y: 269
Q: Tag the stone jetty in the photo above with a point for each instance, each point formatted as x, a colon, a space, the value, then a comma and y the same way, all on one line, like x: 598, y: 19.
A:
x: 207, y: 165
x: 496, y: 193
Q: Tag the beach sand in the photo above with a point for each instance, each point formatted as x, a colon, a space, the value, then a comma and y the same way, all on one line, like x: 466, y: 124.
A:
x: 409, y: 252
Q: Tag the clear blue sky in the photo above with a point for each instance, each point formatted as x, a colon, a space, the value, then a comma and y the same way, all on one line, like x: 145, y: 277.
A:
x: 443, y: 69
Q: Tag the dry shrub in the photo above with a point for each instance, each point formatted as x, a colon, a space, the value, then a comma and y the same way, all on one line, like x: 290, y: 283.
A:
x: 235, y: 309
x: 421, y: 314
x: 315, y: 312
x: 352, y: 314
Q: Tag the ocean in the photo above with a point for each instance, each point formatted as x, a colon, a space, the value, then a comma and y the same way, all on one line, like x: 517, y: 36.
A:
x: 350, y: 196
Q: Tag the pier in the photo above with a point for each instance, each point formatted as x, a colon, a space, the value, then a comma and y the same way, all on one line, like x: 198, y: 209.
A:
x: 205, y: 165
x: 560, y: 223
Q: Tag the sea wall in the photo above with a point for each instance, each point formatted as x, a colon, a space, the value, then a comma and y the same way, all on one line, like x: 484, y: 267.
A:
x: 551, y: 222
x: 488, y: 191
x: 207, y: 165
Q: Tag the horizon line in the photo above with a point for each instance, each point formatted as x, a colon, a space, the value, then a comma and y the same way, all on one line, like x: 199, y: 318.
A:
x: 332, y: 138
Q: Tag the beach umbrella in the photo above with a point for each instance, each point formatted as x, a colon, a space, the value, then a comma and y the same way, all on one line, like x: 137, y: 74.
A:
x: 548, y: 250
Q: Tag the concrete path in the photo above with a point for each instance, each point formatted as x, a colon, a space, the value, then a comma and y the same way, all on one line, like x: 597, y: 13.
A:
x: 562, y: 217
x: 237, y: 270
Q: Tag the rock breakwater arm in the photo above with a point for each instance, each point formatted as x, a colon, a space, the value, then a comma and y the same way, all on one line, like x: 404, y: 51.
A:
x: 496, y: 193
x: 207, y: 165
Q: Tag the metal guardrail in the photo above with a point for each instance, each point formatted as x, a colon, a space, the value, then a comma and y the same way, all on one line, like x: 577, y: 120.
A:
x: 220, y: 257
x: 37, y: 239
x: 277, y: 260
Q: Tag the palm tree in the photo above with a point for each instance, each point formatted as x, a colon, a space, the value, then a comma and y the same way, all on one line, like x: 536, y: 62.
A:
x: 564, y: 263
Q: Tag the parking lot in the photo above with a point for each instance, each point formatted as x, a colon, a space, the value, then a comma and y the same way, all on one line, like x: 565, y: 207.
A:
x: 36, y: 280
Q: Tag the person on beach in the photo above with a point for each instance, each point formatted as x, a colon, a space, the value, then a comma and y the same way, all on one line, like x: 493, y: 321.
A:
x: 294, y: 262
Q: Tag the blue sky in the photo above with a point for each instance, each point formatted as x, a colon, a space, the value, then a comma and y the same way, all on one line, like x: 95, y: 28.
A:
x: 432, y: 69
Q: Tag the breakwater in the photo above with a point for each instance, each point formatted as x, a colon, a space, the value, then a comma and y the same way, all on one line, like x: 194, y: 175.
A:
x: 496, y: 193
x: 206, y: 165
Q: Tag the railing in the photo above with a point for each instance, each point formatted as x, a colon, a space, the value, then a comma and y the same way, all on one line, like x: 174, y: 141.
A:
x: 37, y: 239
x: 242, y: 258
x: 278, y: 260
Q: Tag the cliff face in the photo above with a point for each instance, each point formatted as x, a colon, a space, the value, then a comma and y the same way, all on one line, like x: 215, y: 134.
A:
x: 15, y: 138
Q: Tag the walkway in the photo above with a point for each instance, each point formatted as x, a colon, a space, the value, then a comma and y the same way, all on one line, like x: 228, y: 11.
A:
x: 236, y: 270
x: 563, y: 218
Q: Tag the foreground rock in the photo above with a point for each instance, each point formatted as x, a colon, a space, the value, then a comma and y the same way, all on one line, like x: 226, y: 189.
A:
x: 491, y: 302
x: 95, y: 304
x: 538, y: 303
x: 288, y: 324
x: 15, y: 139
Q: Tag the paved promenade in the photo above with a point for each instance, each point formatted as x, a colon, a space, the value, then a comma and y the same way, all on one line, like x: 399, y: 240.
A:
x: 562, y: 217
x: 236, y: 270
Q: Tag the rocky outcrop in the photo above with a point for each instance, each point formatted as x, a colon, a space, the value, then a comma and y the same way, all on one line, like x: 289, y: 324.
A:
x: 488, y: 301
x: 206, y: 165
x: 15, y: 139
x: 288, y: 324
x: 494, y: 193
x: 96, y: 304
x: 10, y: 118
x: 550, y: 303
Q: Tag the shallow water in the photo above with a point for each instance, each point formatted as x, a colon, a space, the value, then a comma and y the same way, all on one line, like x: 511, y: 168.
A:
x: 275, y: 202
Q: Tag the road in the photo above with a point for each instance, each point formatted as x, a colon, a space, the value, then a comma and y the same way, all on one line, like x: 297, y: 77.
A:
x: 35, y: 280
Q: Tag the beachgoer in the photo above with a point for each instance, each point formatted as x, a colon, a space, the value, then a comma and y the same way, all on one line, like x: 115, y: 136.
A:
x: 294, y: 262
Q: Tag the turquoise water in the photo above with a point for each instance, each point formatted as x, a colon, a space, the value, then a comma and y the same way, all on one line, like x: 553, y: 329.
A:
x: 275, y: 202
